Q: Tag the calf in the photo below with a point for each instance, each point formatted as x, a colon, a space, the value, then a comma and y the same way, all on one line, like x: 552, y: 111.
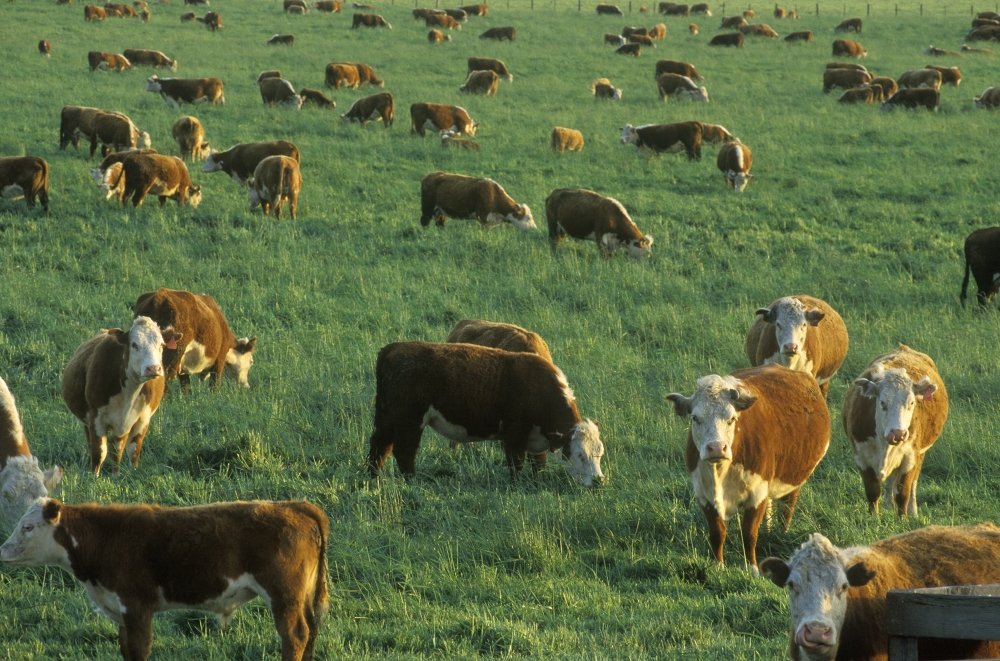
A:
x: 848, y: 48
x: 914, y: 98
x: 114, y: 383
x: 377, y: 107
x: 658, y: 32
x: 849, y: 25
x: 564, y: 139
x: 330, y: 6
x: 481, y: 82
x: 734, y: 39
x: 603, y: 89
x: 102, y: 60
x: 754, y: 435
x: 439, y: 117
x: 920, y: 78
x: 681, y: 136
x: 982, y: 260
x: 153, y: 58
x: 163, y: 176
x: 734, y: 161
x: 467, y: 392
x: 679, y: 68
x: 443, y: 194
x: 671, y: 84
x: 369, y: 21
x: 584, y: 214
x: 893, y: 413
x: 240, y: 161
x: 500, y: 33
x: 801, y: 333
x: 837, y: 597
x: 490, y: 64
x: 109, y: 174
x: 437, y: 37
x: 204, y: 340
x: 45, y: 48
x: 137, y: 560
x: 280, y: 40
x: 949, y: 75
x: 190, y: 137
x: 693, y: 29
x: 316, y: 97
x: 499, y: 336
x: 865, y: 94
x: 888, y: 86
x: 278, y: 91
x: 26, y: 176
x: 275, y: 180
x: 187, y: 90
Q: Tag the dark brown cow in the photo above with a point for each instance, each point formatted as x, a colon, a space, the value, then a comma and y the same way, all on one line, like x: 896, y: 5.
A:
x: 613, y: 39
x: 888, y: 86
x: 507, y: 32
x: 849, y: 25
x: 631, y: 49
x: 584, y: 214
x: 755, y: 435
x: 475, y: 10
x: 437, y: 37
x: 381, y: 106
x: 190, y: 137
x: 612, y: 10
x: 701, y: 9
x: 26, y: 176
x: 331, y: 6
x: 102, y: 60
x: 674, y: 9
x: 914, y: 98
x: 949, y: 75
x: 117, y: 132
x: 802, y: 35
x: 982, y: 260
x: 45, y: 48
x: 481, y: 82
x: 443, y: 194
x: 490, y: 64
x: 844, y: 78
x: 421, y: 13
x: 499, y: 336
x: 275, y: 180
x: 440, y: 117
x: 316, y: 97
x: 239, y: 161
x: 109, y: 175
x: 94, y: 13
x: 129, y: 559
x: 984, y: 33
x: 680, y: 136
x: 848, y: 48
x: 734, y: 161
x: 160, y: 175
x: 642, y: 40
x: 989, y: 99
x: 467, y: 392
x: 153, y: 58
x: 920, y: 78
x: 281, y: 40
x: 212, y: 21
x: 672, y: 84
x: 74, y: 122
x: 734, y: 39
x: 188, y: 16
x: 369, y: 21
x: 188, y: 90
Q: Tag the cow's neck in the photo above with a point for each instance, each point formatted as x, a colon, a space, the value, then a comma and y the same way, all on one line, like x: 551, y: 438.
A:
x: 709, y: 481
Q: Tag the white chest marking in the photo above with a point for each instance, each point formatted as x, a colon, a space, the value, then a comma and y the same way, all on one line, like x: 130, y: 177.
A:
x: 121, y: 413
x: 798, y: 362
x: 730, y: 487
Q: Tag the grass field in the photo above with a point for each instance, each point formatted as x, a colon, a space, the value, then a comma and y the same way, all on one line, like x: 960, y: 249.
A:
x: 867, y: 210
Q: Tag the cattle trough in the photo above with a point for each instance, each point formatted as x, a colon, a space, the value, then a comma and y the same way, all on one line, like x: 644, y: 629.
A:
x: 959, y: 612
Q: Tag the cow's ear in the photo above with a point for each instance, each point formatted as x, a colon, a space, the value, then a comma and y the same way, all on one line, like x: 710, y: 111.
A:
x: 924, y: 388
x: 775, y: 570
x: 742, y: 400
x: 682, y: 404
x: 814, y: 316
x: 170, y: 337
x: 120, y: 336
x: 51, y: 511
x: 858, y: 574
x: 248, y: 345
x: 767, y: 314
x: 866, y: 387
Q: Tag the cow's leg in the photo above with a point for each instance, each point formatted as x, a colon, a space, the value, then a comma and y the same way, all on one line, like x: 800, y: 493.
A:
x: 515, y: 459
x: 93, y: 146
x: 120, y: 449
x: 905, y: 493
x: 135, y: 635
x: 98, y: 450
x: 293, y: 205
x: 789, y: 501
x: 277, y: 207
x: 135, y: 446
x: 873, y: 489
x: 140, y: 193
x: 750, y: 520
x: 405, y: 451
x: 379, y: 446
x: 824, y: 387
x: 538, y: 460
x: 716, y: 531
x: 293, y: 628
x: 427, y: 207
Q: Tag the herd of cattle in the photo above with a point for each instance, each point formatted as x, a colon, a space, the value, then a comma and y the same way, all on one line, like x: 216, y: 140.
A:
x: 755, y: 435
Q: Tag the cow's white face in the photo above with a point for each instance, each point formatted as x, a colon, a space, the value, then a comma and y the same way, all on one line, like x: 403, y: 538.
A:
x: 145, y: 140
x: 253, y: 197
x: 194, y: 196
x: 791, y: 322
x: 699, y: 94
x: 713, y: 411
x: 212, y: 162
x: 629, y: 136
x: 584, y: 454
x: 738, y: 180
x: 640, y: 247
x: 21, y: 483
x: 818, y: 580
x: 153, y: 84
x: 145, y: 349
x: 33, y: 541
x: 239, y: 360
x: 521, y: 218
x: 896, y: 397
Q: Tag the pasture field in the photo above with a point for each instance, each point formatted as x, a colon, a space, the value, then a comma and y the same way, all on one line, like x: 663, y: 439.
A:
x: 865, y: 209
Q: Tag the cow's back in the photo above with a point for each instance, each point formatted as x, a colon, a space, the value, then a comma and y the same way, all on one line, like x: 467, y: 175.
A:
x: 508, y: 337
x: 196, y: 316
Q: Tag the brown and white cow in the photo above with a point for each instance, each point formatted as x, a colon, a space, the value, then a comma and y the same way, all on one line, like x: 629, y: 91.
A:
x: 949, y: 75
x: 21, y: 480
x: 732, y: 22
x: 316, y: 97
x: 330, y: 6
x: 114, y: 383
x: 693, y: 29
x: 658, y: 32
x: 120, y: 10
x: 700, y: 9
x: 632, y: 49
x: 280, y: 40
x: 205, y: 342
x: 734, y: 162
x: 94, y: 13
x: 342, y: 74
x: 443, y: 194
x: 990, y: 98
x: 367, y: 75
x: 174, y: 91
x: 212, y: 21
x: 117, y: 132
x: 889, y: 85
x: 564, y: 139
x: 476, y: 10
x: 159, y: 175
x: 45, y: 48
x: 441, y: 117
x: 849, y: 25
x: 925, y: 97
x: 481, y: 82
x: 437, y: 37
x: 754, y: 435
x: 26, y: 176
x: 467, y: 392
x: 641, y: 40
x: 716, y: 134
x: 866, y: 94
x: 984, y: 33
x: 450, y: 139
x: 109, y: 175
x: 584, y: 214
x: 837, y: 597
x: 603, y: 89
x: 802, y: 333
x: 278, y: 91
x: 369, y: 21
x: 500, y: 33
x: 76, y: 122
x: 137, y: 560
x: 673, y: 9
x: 677, y: 67
x: 893, y: 414
x: 103, y: 60
x: 800, y: 35
x: 240, y: 161
x: 377, y: 107
x: 275, y: 180
x: 442, y: 20
x: 672, y: 84
x: 680, y: 136
x: 490, y: 64
x: 920, y: 78
x: 499, y: 335
x: 848, y: 48
x: 982, y: 260
x: 458, y: 14
x: 759, y: 30
x: 614, y: 39
x: 734, y: 39
x: 190, y: 137
x: 295, y: 6
x: 152, y: 58
x: 844, y: 78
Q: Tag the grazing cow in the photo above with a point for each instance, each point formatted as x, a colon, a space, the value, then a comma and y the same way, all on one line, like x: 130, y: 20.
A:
x: 93, y: 13
x: 443, y: 194
x: 612, y: 10
x: 240, y: 161
x: 451, y: 139
x: 499, y: 34
x: 109, y: 175
x: 949, y: 75
x: 642, y: 40
x: 680, y: 136
x: 584, y: 214
x: 754, y: 435
x: 802, y: 35
x: 632, y: 49
x: 759, y: 30
x: 74, y: 122
x: 459, y: 15
x: 442, y: 20
x: 295, y: 6
x: 21, y: 480
x: 844, y: 78
x: 940, y: 52
x: 190, y: 137
x: 276, y: 180
x: 630, y: 30
x: 499, y: 336
x: 866, y: 94
x: 658, y: 32
x: 481, y: 82
x: 603, y: 89
x: 732, y: 22
x: 564, y: 139
x: 270, y: 73
x: 476, y: 10
x: 281, y: 40
x: 693, y: 29
x: 848, y: 48
x: 734, y: 161
x: 174, y: 91
x: 118, y: 132
x: 847, y: 65
x: 989, y: 15
x: 102, y: 60
x: 734, y: 39
x: 837, y: 597
x: 212, y: 21
x: 982, y: 260
x: 490, y: 64
x: 849, y: 25
x: 614, y: 39
x: 114, y: 383
x: 920, y: 78
x: 330, y: 6
x: 467, y: 392
x: 969, y: 49
x: 342, y: 74
x: 136, y: 560
x: 367, y: 75
x: 671, y: 84
x: 160, y: 175
x: 674, y: 9
x: 381, y: 106
x: 369, y: 21
x: 45, y: 48
x: 437, y: 37
x: 990, y: 98
x: 680, y: 68
x: 205, y: 341
x: 316, y: 97
x: 153, y: 58
x: 985, y: 23
x: 914, y: 98
x: 196, y: 2
x: 801, y: 333
x: 715, y: 134
x: 119, y: 10
x: 439, y: 117
x: 893, y: 414
x: 888, y: 86
x: 700, y: 9
x: 26, y: 176
x: 984, y: 33
x: 278, y: 91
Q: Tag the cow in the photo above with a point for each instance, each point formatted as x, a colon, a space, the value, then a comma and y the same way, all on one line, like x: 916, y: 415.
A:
x: 734, y: 39
x: 381, y: 106
x: 152, y: 58
x: 642, y: 40
x: 603, y: 89
x: 367, y: 75
x: 26, y: 176
x: 240, y: 161
x: 940, y: 52
x: 693, y: 29
x: 421, y: 13
x: 481, y: 82
x: 174, y: 91
x: 984, y: 33
x: 920, y: 78
x: 451, y: 139
x: 437, y: 37
x: 136, y: 560
x: 679, y: 136
x: 93, y: 13
x: 442, y: 20
x: 275, y: 180
x: 102, y: 60
x: 119, y: 10
x: 866, y: 94
x: 500, y: 33
x: 732, y: 22
x: 212, y: 21
x: 490, y: 64
x: 443, y: 194
x: 369, y: 21
x: 342, y: 74
x: 674, y: 9
x: 440, y: 117
x: 584, y: 214
x: 837, y: 597
x: 564, y: 139
x: 118, y: 132
x: 888, y: 85
x: 21, y: 479
x: 280, y: 40
x: 278, y: 91
x: 983, y: 51
x: 270, y: 73
x: 45, y: 48
x: 848, y: 48
x: 949, y: 75
x: 74, y: 122
x: 109, y: 175
x: 700, y: 9
x: 982, y: 260
x: 196, y: 2
x: 188, y: 16
x: 614, y: 39
x: 672, y: 84
x: 467, y: 392
x: 893, y: 413
x: 631, y: 49
x: 759, y: 30
x: 499, y: 336
x: 295, y: 6
x: 914, y: 98
x: 734, y: 161
x: 316, y: 97
x: 679, y: 68
x: 846, y: 65
x: 610, y: 10
x: 990, y: 98
x: 113, y: 384
x: 844, y: 78
x: 801, y: 35
x: 658, y: 32
x: 802, y: 333
x: 985, y: 23
x: 205, y: 341
x: 476, y: 10
x: 715, y: 134
x: 849, y: 25
x: 160, y: 175
x: 330, y: 6
x: 459, y: 15
x: 190, y: 137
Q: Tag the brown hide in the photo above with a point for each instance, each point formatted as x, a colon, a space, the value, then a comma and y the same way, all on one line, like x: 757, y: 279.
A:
x: 442, y: 117
x: 844, y: 78
x: 369, y: 20
x: 920, y: 78
x: 75, y: 121
x: 860, y: 95
x: 190, y: 137
x: 580, y: 213
x: 93, y: 13
x: 849, y: 25
x: 730, y: 156
x: 848, y: 48
x: 715, y: 134
x: 241, y: 160
x: 113, y: 61
x: 31, y: 174
x: 734, y: 39
x: 888, y: 85
x: 377, y: 106
x: 116, y: 131
x: 328, y: 5
x: 489, y: 64
x: 982, y: 260
x: 277, y: 90
x: 802, y: 35
x: 189, y: 90
x: 481, y: 82
x: 13, y: 442
x: 664, y: 137
x: 564, y: 139
x: 341, y: 74
x: 442, y: 20
x: 475, y: 10
x: 498, y: 335
x: 914, y: 98
x: 276, y: 180
x: 501, y: 33
x: 149, y: 58
x: 437, y: 37
x: 444, y: 194
x: 669, y: 84
x: 680, y: 68
x: 316, y: 97
x: 160, y: 175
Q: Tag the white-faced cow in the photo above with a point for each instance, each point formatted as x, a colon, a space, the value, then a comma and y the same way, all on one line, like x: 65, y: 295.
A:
x: 45, y: 48
x: 754, y: 435
x: 377, y: 107
x: 681, y: 136
x: 481, y: 82
x: 166, y: 177
x: 507, y: 32
x: 490, y: 64
x: 239, y: 161
x: 107, y: 61
x: 678, y: 67
x: 190, y: 137
x: 603, y: 89
x: 734, y: 162
x: 893, y: 413
x: 443, y: 194
x: 716, y: 134
x: 949, y: 75
x: 982, y: 260
x: 174, y: 91
x: 437, y: 37
x: 369, y: 21
x: 276, y: 180
x: 584, y: 214
x: 440, y: 117
x: 278, y: 91
x: 26, y: 176
x: 467, y: 392
x: 137, y: 560
x: 280, y: 40
x: 564, y: 139
x: 672, y: 84
x: 152, y: 58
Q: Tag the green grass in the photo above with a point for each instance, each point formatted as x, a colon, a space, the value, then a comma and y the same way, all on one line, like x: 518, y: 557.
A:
x: 867, y: 210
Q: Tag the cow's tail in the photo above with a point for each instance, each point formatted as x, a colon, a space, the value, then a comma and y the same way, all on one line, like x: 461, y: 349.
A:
x: 321, y: 594
x: 42, y: 185
x: 965, y: 282
x: 390, y: 113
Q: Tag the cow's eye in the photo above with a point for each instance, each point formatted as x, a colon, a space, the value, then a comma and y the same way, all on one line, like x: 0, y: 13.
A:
x: 732, y: 421
x: 27, y: 527
x: 885, y: 407
x: 696, y: 419
x: 135, y: 345
x: 843, y: 587
x: 790, y: 585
